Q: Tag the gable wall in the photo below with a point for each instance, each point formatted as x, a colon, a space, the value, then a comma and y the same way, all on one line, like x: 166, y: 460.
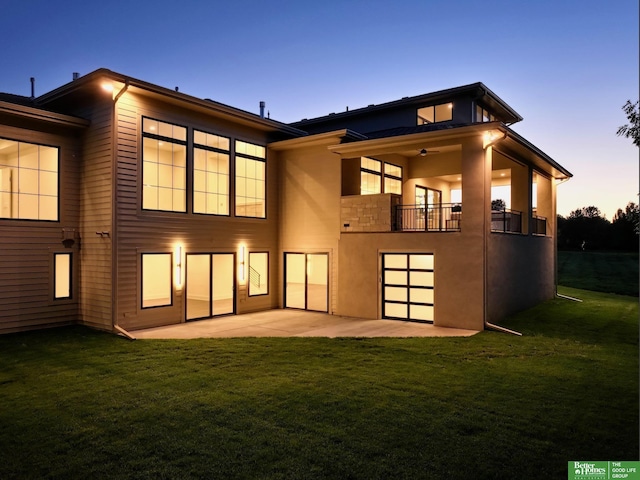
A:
x: 141, y: 231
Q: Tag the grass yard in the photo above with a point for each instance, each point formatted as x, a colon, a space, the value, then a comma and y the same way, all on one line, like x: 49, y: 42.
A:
x: 612, y: 272
x: 76, y: 403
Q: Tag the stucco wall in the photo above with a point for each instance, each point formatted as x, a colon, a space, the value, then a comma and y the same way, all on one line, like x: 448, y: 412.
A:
x: 521, y: 272
x: 458, y: 274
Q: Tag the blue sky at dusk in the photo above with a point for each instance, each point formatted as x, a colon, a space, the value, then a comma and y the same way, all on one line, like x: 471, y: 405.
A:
x: 566, y: 66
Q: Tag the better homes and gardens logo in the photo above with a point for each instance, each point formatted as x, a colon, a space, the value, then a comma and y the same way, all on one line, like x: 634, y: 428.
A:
x: 604, y: 470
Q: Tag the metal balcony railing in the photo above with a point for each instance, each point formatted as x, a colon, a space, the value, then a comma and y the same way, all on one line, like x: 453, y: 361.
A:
x: 444, y: 217
x: 506, y: 220
x: 539, y: 225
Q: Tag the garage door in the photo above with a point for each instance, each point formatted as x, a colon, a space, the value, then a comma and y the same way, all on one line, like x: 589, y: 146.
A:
x: 408, y: 286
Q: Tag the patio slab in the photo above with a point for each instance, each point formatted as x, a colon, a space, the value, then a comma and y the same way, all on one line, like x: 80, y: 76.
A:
x: 296, y: 323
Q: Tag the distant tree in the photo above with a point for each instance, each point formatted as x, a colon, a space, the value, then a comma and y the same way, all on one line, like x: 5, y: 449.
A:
x: 498, y: 205
x: 586, y: 212
x: 625, y: 228
x: 631, y: 129
x: 585, y: 228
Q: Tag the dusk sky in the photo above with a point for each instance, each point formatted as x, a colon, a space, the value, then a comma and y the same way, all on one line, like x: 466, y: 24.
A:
x: 567, y: 67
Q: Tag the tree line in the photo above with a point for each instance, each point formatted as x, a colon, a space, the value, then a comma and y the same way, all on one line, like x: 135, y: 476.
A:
x: 588, y: 229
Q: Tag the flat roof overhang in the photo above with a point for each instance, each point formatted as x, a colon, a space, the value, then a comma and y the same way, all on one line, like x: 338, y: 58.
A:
x: 508, y: 142
x: 39, y: 115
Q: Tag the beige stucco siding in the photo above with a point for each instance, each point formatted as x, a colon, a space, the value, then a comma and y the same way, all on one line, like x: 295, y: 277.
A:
x: 457, y: 277
x: 310, y: 193
x: 520, y: 273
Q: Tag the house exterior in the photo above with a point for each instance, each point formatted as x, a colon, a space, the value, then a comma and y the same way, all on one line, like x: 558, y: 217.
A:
x: 125, y: 205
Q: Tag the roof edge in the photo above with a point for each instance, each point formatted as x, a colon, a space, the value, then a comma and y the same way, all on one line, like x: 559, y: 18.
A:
x: 96, y: 75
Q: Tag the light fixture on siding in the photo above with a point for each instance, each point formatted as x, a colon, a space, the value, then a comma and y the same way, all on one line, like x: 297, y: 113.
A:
x: 179, y: 266
x: 242, y: 271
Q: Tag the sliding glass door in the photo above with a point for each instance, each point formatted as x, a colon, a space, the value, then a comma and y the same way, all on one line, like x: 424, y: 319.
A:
x: 307, y: 281
x: 210, y: 285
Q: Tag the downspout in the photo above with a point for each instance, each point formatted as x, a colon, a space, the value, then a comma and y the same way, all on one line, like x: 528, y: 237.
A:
x: 488, y: 325
x: 562, y: 180
x: 114, y: 212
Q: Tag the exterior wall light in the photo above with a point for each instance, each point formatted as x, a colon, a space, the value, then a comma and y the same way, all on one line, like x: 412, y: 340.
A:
x: 179, y: 266
x: 241, y: 266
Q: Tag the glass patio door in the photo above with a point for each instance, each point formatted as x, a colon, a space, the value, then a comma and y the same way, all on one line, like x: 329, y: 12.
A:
x: 210, y: 282
x: 307, y: 281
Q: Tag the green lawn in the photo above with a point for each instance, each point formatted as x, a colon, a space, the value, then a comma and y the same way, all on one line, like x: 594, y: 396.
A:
x: 76, y: 403
x: 612, y: 272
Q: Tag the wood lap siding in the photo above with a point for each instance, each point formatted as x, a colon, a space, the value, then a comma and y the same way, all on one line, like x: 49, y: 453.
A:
x: 95, y: 212
x: 152, y: 231
x: 26, y: 296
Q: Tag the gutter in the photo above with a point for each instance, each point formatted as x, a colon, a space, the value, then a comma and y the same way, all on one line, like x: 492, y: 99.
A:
x: 488, y: 325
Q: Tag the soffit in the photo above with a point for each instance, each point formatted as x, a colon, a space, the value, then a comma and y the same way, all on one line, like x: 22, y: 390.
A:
x: 38, y: 114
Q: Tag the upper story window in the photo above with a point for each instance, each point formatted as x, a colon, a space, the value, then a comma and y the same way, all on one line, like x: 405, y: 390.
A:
x: 435, y: 113
x: 483, y: 115
x: 210, y: 174
x: 250, y: 180
x: 370, y: 176
x: 372, y: 172
x: 164, y: 165
x: 28, y: 181
x: 392, y: 179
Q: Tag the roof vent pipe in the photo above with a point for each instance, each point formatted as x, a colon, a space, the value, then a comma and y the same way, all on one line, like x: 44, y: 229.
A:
x: 262, y: 105
x: 76, y: 75
x: 33, y: 88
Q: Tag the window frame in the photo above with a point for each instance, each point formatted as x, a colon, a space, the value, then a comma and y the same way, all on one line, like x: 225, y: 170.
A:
x: 423, y: 120
x: 392, y: 177
x: 195, y: 146
x: 171, y: 280
x: 58, y: 189
x: 382, y: 174
x: 163, y: 138
x: 70, y: 280
x: 268, y: 263
x: 481, y: 112
x: 246, y: 156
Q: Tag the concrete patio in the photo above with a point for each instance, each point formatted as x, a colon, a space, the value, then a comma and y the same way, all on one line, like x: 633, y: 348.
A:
x: 296, y: 323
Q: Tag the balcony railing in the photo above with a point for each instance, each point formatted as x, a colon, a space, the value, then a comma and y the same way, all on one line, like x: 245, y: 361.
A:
x: 506, y: 220
x: 539, y: 225
x: 444, y: 217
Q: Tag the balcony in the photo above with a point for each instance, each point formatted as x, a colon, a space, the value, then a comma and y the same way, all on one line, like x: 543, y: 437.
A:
x: 444, y: 217
x: 506, y: 221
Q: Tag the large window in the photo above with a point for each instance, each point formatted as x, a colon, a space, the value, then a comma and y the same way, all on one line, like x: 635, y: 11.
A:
x: 435, y: 113
x: 210, y: 174
x: 372, y: 172
x: 258, y: 273
x: 250, y: 180
x: 164, y: 165
x: 28, y: 181
x: 157, y: 281
x: 62, y: 263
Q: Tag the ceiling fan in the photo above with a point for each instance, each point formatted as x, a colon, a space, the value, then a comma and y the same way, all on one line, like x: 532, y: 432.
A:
x: 424, y: 152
